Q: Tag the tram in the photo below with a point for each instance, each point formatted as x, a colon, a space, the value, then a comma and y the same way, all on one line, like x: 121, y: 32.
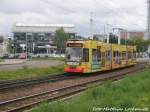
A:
x: 86, y: 56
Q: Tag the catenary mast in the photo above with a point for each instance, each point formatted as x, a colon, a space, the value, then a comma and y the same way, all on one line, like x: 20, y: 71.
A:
x: 148, y: 20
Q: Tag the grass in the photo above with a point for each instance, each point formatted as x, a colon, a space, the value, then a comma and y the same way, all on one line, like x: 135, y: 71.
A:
x: 132, y: 91
x: 2, y: 60
x: 26, y: 72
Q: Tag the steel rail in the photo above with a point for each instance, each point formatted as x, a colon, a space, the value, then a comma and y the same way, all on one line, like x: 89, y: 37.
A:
x: 19, y: 83
x: 7, y: 85
x: 114, y: 76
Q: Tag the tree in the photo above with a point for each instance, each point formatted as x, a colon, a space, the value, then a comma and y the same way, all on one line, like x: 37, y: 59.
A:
x: 141, y: 44
x: 1, y: 39
x: 10, y: 46
x: 60, y: 39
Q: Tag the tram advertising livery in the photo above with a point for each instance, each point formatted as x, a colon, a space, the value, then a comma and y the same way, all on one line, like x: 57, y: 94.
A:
x: 85, y: 56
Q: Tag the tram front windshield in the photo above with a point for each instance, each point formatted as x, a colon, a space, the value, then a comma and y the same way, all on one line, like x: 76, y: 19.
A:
x: 73, y: 54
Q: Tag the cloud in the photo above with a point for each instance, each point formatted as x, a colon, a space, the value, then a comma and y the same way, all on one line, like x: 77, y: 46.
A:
x: 20, y: 6
x: 119, y: 13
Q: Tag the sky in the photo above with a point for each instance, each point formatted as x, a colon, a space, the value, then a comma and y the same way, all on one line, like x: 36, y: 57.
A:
x: 127, y: 14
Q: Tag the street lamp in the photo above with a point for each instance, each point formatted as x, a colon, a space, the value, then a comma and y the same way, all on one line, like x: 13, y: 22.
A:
x: 26, y: 47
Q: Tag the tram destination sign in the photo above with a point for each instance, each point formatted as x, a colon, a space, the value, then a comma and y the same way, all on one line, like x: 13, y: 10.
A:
x: 74, y: 45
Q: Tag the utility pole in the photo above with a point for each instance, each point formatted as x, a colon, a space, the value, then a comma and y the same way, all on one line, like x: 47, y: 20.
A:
x: 148, y: 24
x: 104, y: 37
x: 108, y: 33
x: 119, y: 36
x: 91, y: 24
x: 148, y: 20
x: 26, y: 47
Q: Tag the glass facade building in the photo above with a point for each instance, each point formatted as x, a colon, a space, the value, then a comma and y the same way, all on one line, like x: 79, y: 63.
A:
x: 37, y: 38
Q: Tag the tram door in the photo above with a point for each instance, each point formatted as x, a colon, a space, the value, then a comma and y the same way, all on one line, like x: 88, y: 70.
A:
x: 108, y: 57
x: 103, y: 58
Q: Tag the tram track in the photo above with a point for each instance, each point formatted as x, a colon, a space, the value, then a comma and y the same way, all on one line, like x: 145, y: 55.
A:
x: 13, y: 84
x: 27, y: 102
x: 7, y: 85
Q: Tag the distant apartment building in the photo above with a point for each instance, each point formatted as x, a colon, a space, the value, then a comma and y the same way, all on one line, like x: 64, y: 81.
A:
x: 119, y: 35
x: 132, y: 34
x: 37, y: 38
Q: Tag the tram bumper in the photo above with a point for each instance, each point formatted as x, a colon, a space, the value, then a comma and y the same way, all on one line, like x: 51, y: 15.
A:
x: 74, y: 70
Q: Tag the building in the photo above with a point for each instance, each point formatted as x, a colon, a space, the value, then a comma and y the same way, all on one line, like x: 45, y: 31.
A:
x: 38, y: 37
x: 132, y: 34
x: 100, y: 37
x: 3, y: 47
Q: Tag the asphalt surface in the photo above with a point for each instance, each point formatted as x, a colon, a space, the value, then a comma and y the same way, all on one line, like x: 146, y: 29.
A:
x: 39, y: 64
x: 31, y: 64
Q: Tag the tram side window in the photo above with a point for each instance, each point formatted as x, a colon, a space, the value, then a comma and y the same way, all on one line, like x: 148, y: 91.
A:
x: 98, y: 55
x: 116, y: 57
x: 85, y: 54
x: 129, y: 55
x: 123, y: 55
x: 116, y: 54
x: 108, y: 55
x: 94, y: 55
x: 134, y: 54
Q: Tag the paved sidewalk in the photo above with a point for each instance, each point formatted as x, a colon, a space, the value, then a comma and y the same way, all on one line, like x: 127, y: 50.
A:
x: 19, y: 64
x: 143, y: 60
x: 12, y: 61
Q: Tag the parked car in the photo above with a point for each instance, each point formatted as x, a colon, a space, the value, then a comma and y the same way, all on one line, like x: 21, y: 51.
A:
x: 5, y: 56
x: 11, y: 56
x: 23, y: 56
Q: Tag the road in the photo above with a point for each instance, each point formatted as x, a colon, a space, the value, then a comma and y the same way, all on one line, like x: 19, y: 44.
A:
x: 31, y: 64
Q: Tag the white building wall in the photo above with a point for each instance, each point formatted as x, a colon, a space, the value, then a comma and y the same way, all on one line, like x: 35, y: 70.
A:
x: 3, y: 48
x: 43, y: 28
